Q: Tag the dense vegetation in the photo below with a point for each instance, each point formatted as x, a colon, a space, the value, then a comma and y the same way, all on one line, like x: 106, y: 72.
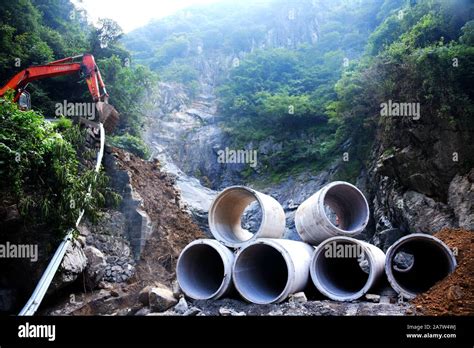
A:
x: 421, y: 53
x: 332, y: 103
x: 278, y: 90
x: 40, y: 170
x: 319, y: 100
x: 39, y: 31
x: 41, y: 173
x: 173, y: 45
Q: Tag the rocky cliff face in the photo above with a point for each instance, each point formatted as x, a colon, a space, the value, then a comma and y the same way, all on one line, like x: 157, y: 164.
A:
x: 185, y: 136
x: 420, y: 179
x: 414, y: 183
x: 189, y: 129
x: 185, y: 124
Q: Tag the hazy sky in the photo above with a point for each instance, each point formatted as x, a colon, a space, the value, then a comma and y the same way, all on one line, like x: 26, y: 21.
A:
x: 131, y: 14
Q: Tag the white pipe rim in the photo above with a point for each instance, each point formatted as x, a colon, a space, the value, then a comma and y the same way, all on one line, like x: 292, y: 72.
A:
x: 341, y: 232
x: 392, y: 251
x: 226, y: 279
x: 235, y: 242
x: 290, y: 269
x: 327, y: 292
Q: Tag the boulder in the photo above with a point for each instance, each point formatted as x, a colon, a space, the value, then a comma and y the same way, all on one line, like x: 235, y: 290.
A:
x: 143, y: 296
x: 372, y: 298
x: 73, y: 264
x: 143, y: 311
x: 161, y: 299
x: 182, y: 306
x: 96, y: 264
x: 298, y: 297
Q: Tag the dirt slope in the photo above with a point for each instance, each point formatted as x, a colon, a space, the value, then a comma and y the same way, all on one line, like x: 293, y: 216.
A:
x: 453, y: 295
x: 173, y: 228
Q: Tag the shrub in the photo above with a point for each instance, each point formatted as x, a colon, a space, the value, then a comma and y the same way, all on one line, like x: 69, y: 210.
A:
x: 131, y: 144
x: 40, y: 171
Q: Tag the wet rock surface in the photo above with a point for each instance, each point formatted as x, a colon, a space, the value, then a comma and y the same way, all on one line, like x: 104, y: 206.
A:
x: 416, y: 182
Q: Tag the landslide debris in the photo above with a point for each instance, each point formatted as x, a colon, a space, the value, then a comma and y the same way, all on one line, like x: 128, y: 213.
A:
x: 173, y: 228
x: 453, y: 295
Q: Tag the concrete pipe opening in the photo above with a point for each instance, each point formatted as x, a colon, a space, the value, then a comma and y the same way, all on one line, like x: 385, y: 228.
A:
x: 338, y: 209
x: 417, y: 262
x: 345, y: 269
x: 269, y: 270
x: 228, y: 208
x: 204, y: 270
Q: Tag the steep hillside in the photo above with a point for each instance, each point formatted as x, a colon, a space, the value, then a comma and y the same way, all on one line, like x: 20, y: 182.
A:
x: 167, y: 228
x: 265, y: 71
x: 308, y: 92
x: 282, y: 96
x: 46, y: 165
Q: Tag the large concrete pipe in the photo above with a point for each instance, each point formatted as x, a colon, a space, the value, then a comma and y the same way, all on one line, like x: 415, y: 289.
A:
x: 269, y: 270
x: 204, y: 269
x: 313, y: 222
x: 227, y: 209
x: 344, y: 269
x: 417, y: 262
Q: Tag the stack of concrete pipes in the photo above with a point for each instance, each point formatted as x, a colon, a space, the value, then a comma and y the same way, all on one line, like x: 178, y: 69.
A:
x: 264, y: 268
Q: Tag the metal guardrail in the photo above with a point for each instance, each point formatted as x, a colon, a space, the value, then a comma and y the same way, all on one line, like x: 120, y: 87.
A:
x: 34, y: 302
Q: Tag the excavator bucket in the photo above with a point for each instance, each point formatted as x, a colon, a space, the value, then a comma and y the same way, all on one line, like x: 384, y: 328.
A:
x: 108, y: 116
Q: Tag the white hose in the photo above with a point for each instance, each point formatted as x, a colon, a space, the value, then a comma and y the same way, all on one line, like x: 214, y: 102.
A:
x: 34, y: 302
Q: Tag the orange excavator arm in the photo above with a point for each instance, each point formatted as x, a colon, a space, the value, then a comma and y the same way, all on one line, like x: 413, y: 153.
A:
x: 86, y: 67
